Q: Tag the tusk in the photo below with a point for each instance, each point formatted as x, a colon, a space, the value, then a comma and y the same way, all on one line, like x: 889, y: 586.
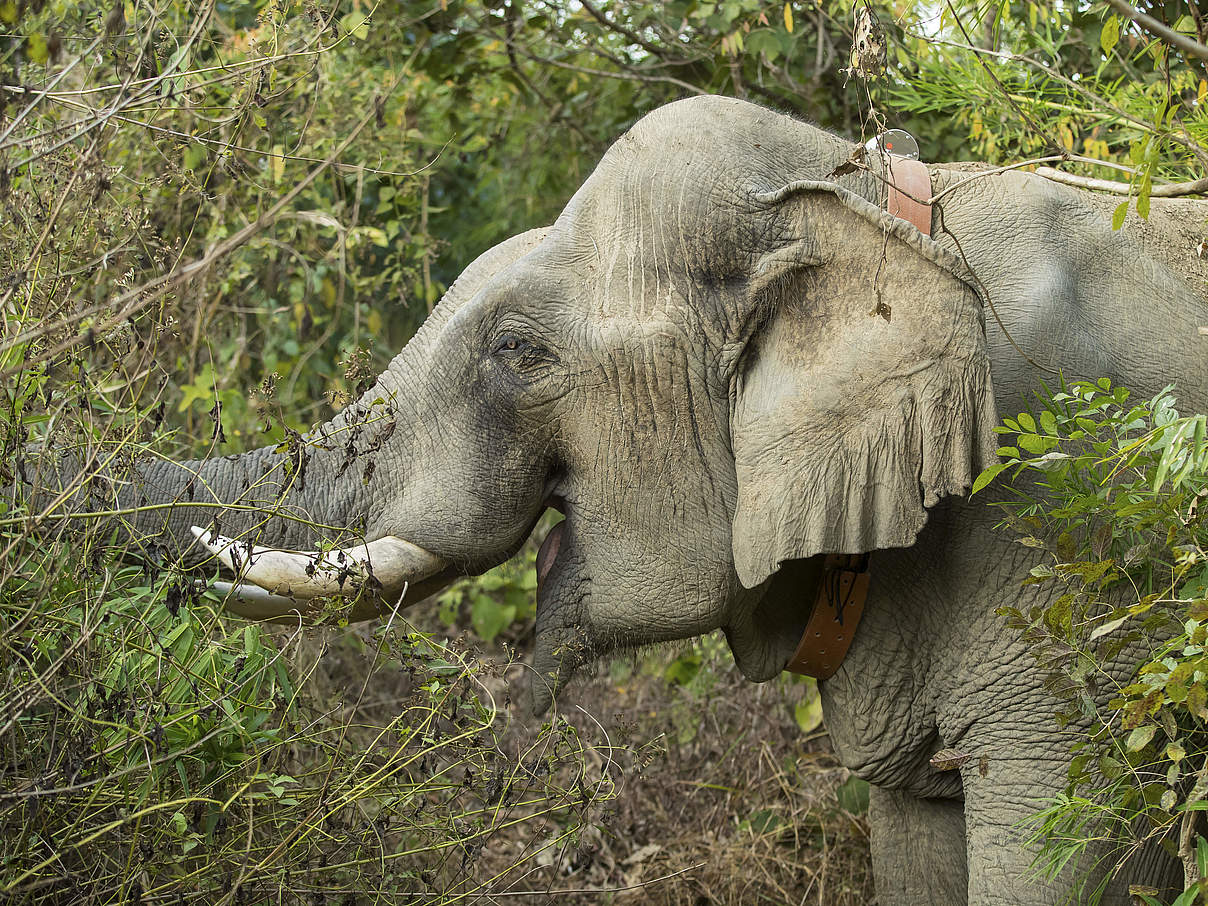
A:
x: 388, y: 562
x: 254, y: 602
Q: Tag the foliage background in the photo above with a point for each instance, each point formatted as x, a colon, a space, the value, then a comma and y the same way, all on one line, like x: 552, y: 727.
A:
x: 216, y: 220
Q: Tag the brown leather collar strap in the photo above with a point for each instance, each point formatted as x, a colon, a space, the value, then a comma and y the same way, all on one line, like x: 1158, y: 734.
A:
x: 838, y: 606
x: 908, y: 181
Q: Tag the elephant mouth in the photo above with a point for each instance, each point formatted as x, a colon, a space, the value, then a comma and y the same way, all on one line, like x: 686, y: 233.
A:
x: 547, y: 553
x: 551, y: 661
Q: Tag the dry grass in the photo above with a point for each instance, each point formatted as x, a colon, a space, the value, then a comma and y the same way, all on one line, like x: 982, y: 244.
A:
x: 721, y: 798
x: 742, y: 801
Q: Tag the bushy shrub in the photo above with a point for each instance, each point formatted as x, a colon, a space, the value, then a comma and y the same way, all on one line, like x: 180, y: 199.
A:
x: 1112, y: 492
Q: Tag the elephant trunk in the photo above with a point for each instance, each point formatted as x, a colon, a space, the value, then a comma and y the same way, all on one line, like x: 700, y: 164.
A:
x: 288, y: 521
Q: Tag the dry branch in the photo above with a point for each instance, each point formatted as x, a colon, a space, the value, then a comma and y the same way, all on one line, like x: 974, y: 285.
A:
x: 1170, y: 190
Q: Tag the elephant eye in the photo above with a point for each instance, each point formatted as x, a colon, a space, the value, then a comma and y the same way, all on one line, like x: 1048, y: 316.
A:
x: 520, y: 355
x: 511, y: 343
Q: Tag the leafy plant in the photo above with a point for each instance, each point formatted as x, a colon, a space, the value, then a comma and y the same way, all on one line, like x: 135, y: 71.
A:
x: 158, y: 749
x: 1110, y: 489
x: 495, y: 601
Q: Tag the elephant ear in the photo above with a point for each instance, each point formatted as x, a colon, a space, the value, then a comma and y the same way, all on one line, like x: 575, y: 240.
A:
x: 864, y: 394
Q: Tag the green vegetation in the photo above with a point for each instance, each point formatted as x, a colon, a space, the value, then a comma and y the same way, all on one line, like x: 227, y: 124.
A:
x: 219, y: 219
x: 1111, y: 489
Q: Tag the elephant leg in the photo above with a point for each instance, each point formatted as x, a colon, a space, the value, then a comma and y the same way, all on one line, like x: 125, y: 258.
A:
x: 918, y: 849
x: 998, y: 809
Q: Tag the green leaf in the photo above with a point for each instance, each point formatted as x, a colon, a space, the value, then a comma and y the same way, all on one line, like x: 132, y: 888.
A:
x: 1140, y: 737
x: 763, y: 821
x: 1110, y: 626
x: 808, y: 714
x: 1110, y: 34
x: 36, y: 48
x: 1110, y: 767
x: 1118, y: 216
x: 488, y: 617
x: 853, y: 795
x: 1033, y: 443
x: 682, y: 670
x: 764, y: 41
x: 356, y: 24
x: 988, y: 475
x: 1197, y: 701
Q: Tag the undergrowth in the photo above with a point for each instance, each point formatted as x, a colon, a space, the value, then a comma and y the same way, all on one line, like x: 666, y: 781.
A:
x: 1110, y: 492
x: 155, y: 750
x: 197, y: 199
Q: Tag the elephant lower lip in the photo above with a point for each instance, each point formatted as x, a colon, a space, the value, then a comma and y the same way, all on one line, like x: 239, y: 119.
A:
x: 548, y: 552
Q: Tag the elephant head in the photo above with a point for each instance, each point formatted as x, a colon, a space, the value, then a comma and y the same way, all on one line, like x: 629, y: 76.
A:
x: 715, y: 363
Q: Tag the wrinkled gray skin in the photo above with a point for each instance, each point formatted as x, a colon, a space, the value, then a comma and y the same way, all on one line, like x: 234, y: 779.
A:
x: 688, y: 359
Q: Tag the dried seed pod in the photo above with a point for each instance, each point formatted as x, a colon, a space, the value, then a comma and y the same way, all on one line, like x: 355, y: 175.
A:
x: 868, y: 52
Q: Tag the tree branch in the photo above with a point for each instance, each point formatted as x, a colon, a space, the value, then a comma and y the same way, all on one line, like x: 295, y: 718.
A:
x: 1154, y: 27
x: 621, y: 29
x: 628, y: 75
x: 1031, y: 123
x: 1081, y: 90
x: 1171, y: 190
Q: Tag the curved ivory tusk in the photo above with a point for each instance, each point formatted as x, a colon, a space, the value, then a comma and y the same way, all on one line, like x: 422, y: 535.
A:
x: 254, y: 602
x: 344, y: 571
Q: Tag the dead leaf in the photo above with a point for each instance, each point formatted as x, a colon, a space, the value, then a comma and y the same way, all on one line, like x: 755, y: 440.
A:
x: 868, y: 45
x: 642, y: 854
x: 855, y: 161
x: 949, y: 759
x: 882, y: 308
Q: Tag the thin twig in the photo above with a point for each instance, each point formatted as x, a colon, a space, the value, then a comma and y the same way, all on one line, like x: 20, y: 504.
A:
x: 605, y: 74
x: 43, y: 92
x: 623, y: 30
x: 981, y: 174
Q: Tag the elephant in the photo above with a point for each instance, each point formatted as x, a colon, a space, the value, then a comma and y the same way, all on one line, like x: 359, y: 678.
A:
x: 723, y: 362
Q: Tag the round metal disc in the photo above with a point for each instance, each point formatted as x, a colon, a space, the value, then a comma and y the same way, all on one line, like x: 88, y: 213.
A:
x: 898, y: 142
